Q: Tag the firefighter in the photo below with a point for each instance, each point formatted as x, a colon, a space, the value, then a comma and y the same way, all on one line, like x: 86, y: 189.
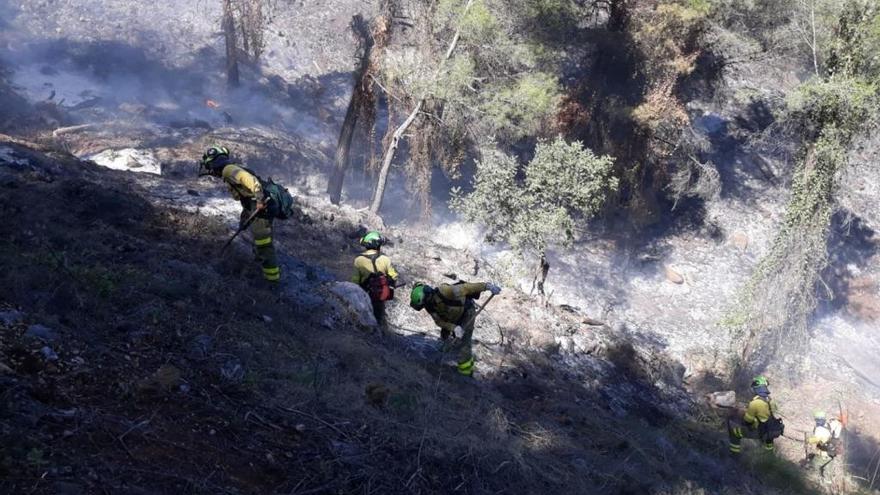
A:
x: 826, y: 438
x: 759, y: 421
x: 452, y: 307
x: 247, y: 188
x: 374, y: 273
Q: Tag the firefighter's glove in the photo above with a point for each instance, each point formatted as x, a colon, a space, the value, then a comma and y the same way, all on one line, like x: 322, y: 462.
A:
x: 494, y: 289
x: 458, y: 332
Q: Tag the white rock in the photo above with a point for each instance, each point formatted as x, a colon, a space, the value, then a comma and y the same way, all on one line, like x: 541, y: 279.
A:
x: 725, y: 399
x: 354, y: 300
x: 129, y: 159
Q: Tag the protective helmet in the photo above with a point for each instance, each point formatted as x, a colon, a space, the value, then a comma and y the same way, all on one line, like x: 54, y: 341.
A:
x: 418, y: 295
x: 213, y: 159
x: 372, y: 240
x: 760, y: 381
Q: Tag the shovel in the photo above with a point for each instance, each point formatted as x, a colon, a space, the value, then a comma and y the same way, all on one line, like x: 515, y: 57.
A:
x: 247, y: 223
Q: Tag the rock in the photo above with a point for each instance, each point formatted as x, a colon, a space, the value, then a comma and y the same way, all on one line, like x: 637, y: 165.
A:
x: 726, y: 399
x: 11, y: 317
x: 128, y: 159
x: 353, y: 300
x: 49, y: 354
x: 740, y: 240
x: 267, y: 318
x: 673, y: 276
x: 192, y: 192
x: 41, y: 332
x: 6, y: 370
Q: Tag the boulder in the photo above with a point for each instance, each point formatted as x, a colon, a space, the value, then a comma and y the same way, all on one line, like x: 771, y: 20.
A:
x: 740, y: 240
x: 725, y: 399
x: 353, y: 300
x: 129, y: 159
x: 673, y: 276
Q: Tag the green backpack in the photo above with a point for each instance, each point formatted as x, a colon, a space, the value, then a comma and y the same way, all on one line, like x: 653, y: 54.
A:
x: 281, y: 204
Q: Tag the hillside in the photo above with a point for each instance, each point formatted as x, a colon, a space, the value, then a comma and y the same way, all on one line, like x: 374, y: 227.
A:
x: 135, y: 357
x: 150, y: 364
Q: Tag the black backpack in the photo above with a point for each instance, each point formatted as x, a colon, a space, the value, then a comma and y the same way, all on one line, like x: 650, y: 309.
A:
x: 771, y: 429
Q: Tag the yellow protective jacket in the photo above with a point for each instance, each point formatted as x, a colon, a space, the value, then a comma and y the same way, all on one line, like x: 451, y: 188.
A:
x: 447, y: 315
x: 823, y: 434
x: 363, y: 267
x: 759, y: 411
x: 243, y: 185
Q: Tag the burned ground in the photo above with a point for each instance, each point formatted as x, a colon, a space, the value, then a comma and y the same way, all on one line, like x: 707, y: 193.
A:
x: 137, y: 360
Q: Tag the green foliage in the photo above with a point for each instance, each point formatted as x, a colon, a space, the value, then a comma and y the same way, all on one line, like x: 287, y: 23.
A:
x: 515, y: 110
x: 776, y: 304
x: 498, y: 82
x: 853, y: 51
x: 563, y: 182
x: 569, y: 176
x: 846, y: 103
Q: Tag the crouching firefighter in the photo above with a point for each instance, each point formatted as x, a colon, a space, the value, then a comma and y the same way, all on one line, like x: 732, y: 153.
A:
x: 826, y: 438
x: 261, y: 201
x: 759, y: 421
x: 374, y: 273
x: 454, y: 311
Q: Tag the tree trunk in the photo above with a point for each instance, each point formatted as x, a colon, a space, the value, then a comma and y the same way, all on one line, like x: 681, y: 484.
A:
x: 389, y: 156
x: 346, y: 134
x: 343, y: 151
x: 395, y: 140
x: 231, y: 49
x: 540, y: 275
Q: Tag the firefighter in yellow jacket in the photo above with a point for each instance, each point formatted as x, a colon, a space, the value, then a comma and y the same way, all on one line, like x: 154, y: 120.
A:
x: 246, y: 188
x: 369, y: 269
x: 759, y: 421
x: 453, y: 309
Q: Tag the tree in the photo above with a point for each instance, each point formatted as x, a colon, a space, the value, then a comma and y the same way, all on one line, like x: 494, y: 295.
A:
x: 361, y: 106
x: 228, y: 24
x: 468, y: 72
x: 826, y: 115
x: 249, y: 17
x: 564, y: 183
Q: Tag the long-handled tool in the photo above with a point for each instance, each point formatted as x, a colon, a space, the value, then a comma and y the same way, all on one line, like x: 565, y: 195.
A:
x: 247, y: 223
x: 477, y: 313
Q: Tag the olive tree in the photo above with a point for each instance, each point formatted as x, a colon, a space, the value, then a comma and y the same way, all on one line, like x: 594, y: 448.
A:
x: 464, y: 72
x: 564, y: 183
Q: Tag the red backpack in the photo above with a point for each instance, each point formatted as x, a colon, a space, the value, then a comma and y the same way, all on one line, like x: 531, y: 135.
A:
x: 377, y: 284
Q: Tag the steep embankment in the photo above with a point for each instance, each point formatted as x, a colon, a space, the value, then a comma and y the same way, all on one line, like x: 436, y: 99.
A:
x: 137, y: 360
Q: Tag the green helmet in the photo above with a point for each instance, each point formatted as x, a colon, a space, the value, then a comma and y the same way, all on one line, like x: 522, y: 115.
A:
x: 760, y: 381
x: 417, y: 296
x: 372, y: 240
x: 819, y: 415
x: 212, y: 155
